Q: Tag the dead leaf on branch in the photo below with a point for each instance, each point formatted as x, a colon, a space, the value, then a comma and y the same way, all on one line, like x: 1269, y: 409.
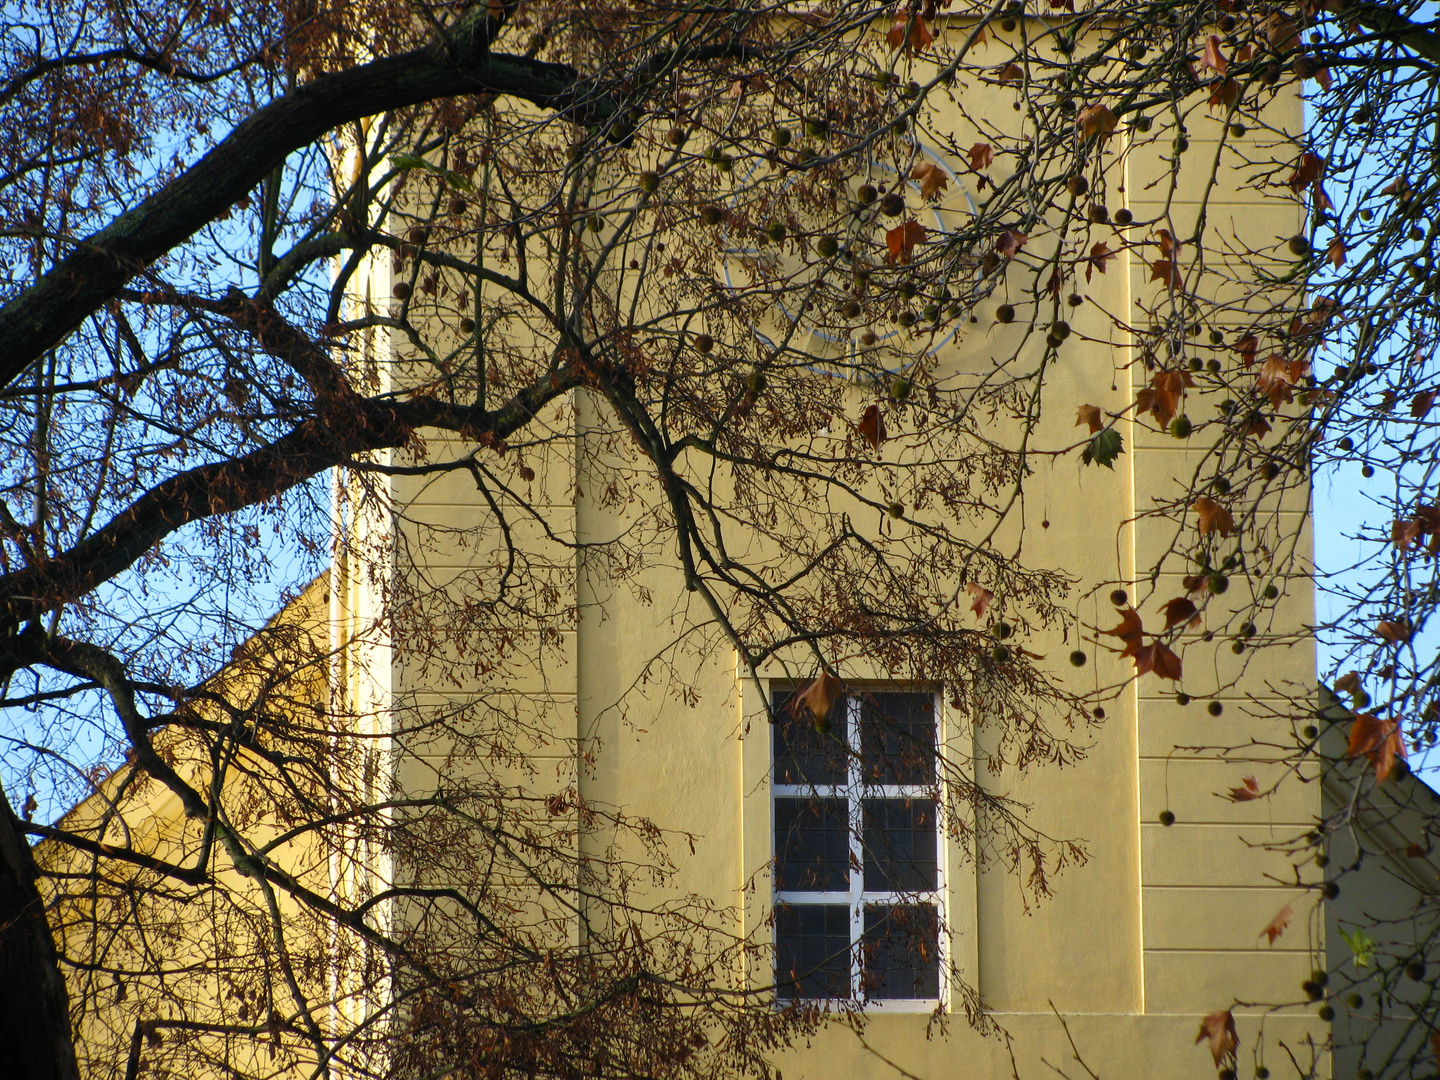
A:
x: 1009, y: 243
x: 1226, y: 94
x: 1348, y: 683
x: 1336, y: 253
x: 1395, y: 631
x: 1379, y: 740
x: 1165, y: 270
x: 1249, y: 790
x: 1212, y: 517
x: 1011, y: 72
x: 1426, y: 522
x: 1162, y: 397
x: 1180, y: 610
x: 871, y: 427
x: 1219, y: 1028
x: 1422, y: 403
x: 933, y: 179
x: 1276, y: 926
x: 818, y: 698
x: 1159, y: 658
x: 902, y: 240
x: 1247, y: 347
x: 1308, y: 174
x: 1089, y: 414
x: 1131, y: 631
x: 1100, y: 254
x: 982, y: 156
x: 909, y: 33
x: 1212, y: 57
x: 980, y: 598
x: 1096, y: 119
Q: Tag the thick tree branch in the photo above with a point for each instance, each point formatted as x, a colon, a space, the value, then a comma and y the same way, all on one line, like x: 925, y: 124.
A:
x: 43, y: 315
x: 226, y: 486
x: 34, y: 1012
x: 1393, y: 26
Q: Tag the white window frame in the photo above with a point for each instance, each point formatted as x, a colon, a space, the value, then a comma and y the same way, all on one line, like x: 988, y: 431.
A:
x: 855, y: 791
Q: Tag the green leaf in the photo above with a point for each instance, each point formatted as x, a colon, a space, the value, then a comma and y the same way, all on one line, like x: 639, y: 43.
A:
x: 1104, y: 448
x: 1362, y: 945
x: 457, y: 180
x: 450, y: 176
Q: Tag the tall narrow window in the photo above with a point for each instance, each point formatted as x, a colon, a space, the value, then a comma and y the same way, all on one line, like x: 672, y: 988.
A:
x: 857, y: 848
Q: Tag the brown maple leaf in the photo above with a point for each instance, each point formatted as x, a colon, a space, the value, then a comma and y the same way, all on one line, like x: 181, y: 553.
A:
x: 982, y: 156
x: 1211, y: 56
x: 1169, y: 388
x: 1282, y: 31
x: 1011, y: 72
x: 1219, y: 1028
x: 1348, y: 683
x: 1180, y: 610
x: 818, y: 697
x: 1247, y: 792
x: 1247, y: 346
x: 1404, y: 532
x: 871, y: 427
x: 1212, y: 517
x: 1131, y: 631
x: 980, y: 598
x: 1096, y: 119
x: 1009, y: 243
x: 1276, y: 926
x: 1395, y: 631
x: 910, y: 33
x: 1226, y: 93
x: 1255, y: 426
x: 1159, y: 658
x: 1100, y: 254
x: 1307, y: 172
x: 1399, y: 187
x: 1422, y: 403
x: 901, y: 241
x: 1336, y: 252
x: 1089, y: 414
x: 933, y: 179
x: 1379, y: 740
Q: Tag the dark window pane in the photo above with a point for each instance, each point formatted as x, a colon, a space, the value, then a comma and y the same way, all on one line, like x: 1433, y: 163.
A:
x: 812, y: 844
x: 900, y: 951
x: 802, y: 754
x: 898, y: 837
x: 812, y: 950
x: 897, y: 738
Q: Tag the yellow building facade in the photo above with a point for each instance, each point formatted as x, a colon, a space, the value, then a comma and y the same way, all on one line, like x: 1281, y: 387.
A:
x: 624, y: 700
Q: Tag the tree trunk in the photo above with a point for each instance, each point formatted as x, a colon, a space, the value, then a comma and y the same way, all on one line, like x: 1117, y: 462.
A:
x: 34, y: 1011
